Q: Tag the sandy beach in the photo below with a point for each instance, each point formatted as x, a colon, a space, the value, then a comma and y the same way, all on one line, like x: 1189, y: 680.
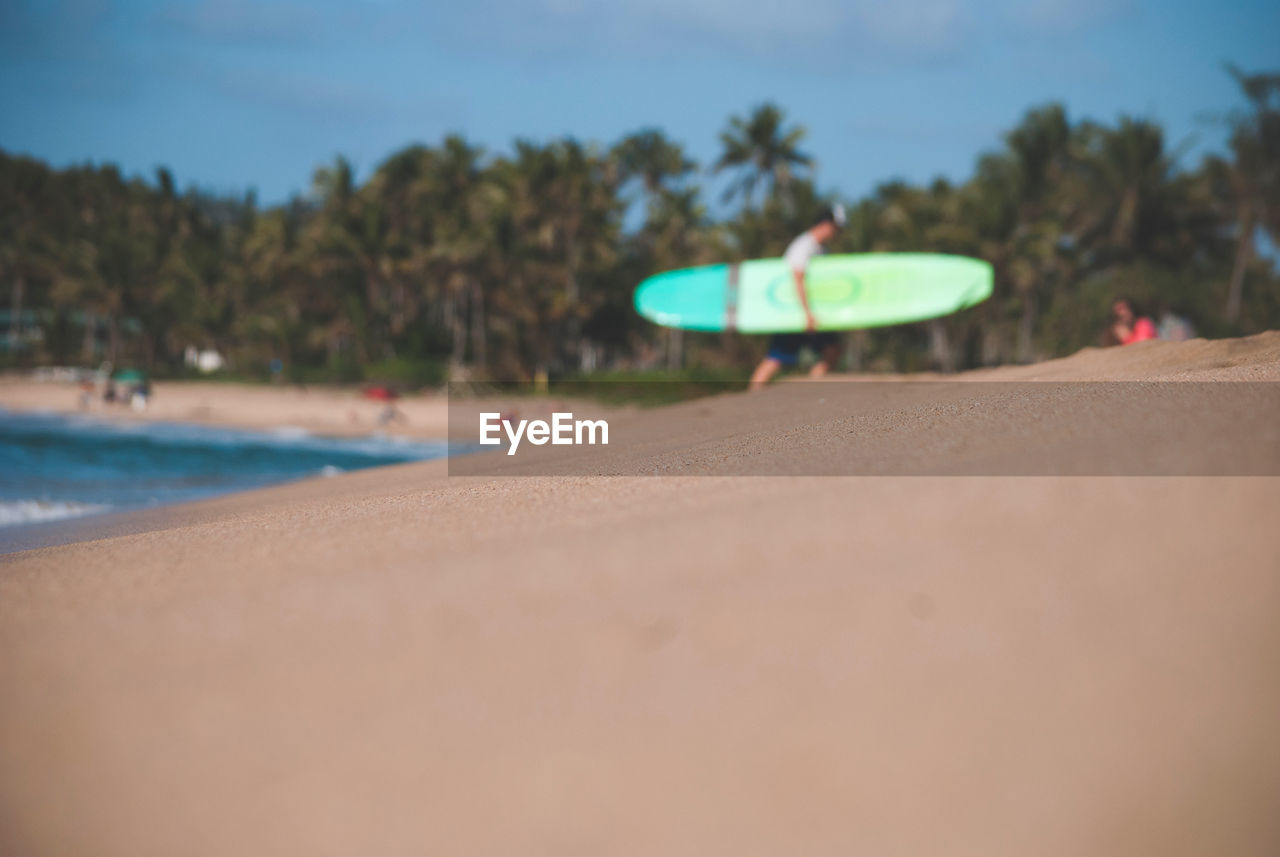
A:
x: 321, y: 410
x: 396, y: 661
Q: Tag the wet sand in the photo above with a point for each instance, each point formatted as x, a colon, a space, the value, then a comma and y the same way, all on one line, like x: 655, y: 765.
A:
x: 399, y: 662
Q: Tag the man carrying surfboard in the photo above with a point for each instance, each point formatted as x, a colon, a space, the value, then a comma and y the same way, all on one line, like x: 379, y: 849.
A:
x: 784, y: 348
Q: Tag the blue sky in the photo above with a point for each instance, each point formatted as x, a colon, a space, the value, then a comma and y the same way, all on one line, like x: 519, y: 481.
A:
x: 236, y: 94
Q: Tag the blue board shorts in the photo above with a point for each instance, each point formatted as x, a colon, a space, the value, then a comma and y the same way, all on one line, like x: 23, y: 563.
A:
x: 785, y: 347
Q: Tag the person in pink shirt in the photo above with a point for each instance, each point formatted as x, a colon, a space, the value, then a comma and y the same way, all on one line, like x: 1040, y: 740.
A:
x: 1127, y: 327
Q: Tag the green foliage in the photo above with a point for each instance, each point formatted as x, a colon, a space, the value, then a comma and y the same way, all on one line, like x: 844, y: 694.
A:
x: 761, y: 152
x: 448, y: 261
x: 650, y: 387
x: 407, y: 373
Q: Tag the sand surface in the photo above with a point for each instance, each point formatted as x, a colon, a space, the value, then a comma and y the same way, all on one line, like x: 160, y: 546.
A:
x: 400, y: 662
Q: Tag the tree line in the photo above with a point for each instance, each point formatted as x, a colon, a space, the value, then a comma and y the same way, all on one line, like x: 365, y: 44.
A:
x: 451, y: 261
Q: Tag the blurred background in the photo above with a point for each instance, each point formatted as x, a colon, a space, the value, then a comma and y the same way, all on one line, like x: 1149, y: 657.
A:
x: 406, y: 193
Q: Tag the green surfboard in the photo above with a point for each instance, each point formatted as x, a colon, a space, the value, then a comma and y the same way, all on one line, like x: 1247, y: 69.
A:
x: 865, y: 290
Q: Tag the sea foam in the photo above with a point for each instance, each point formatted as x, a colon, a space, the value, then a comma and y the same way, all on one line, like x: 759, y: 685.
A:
x: 14, y: 512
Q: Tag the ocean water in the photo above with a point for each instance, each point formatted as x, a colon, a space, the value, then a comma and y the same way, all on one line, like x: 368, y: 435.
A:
x: 55, y: 467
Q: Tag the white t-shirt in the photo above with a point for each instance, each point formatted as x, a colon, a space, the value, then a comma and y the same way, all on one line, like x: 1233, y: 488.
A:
x: 801, y: 250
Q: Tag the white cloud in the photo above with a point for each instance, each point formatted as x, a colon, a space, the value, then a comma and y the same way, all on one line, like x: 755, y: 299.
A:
x: 245, y: 21
x: 54, y: 29
x: 923, y: 27
x: 794, y: 31
x: 1064, y: 17
x: 304, y: 96
x: 783, y: 20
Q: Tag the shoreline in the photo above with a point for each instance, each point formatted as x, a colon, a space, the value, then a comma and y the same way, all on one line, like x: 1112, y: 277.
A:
x: 196, y: 466
x: 323, y: 412
x: 327, y: 411
x: 342, y: 413
x: 707, y: 664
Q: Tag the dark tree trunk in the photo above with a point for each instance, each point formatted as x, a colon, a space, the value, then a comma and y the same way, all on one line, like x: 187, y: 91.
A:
x: 1244, y: 254
x: 940, y: 347
x: 1026, y: 327
x: 573, y: 326
x: 478, y: 344
x: 1123, y: 228
x: 856, y: 350
x: 992, y: 348
x: 15, y: 316
x: 397, y: 320
x: 457, y: 332
x: 88, y: 347
x: 113, y: 340
x: 675, y: 348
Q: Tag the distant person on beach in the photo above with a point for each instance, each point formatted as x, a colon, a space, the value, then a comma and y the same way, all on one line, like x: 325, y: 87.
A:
x: 390, y: 413
x: 1127, y: 327
x: 140, y: 395
x: 784, y: 348
x: 1174, y: 327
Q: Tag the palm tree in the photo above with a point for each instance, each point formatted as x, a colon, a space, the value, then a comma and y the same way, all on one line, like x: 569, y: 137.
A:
x: 1254, y: 174
x: 1040, y: 157
x: 678, y: 234
x: 650, y: 156
x: 460, y: 238
x: 761, y: 150
x: 340, y: 264
x: 404, y: 189
x: 1040, y: 146
x: 1126, y: 177
x: 25, y: 245
x: 557, y: 225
